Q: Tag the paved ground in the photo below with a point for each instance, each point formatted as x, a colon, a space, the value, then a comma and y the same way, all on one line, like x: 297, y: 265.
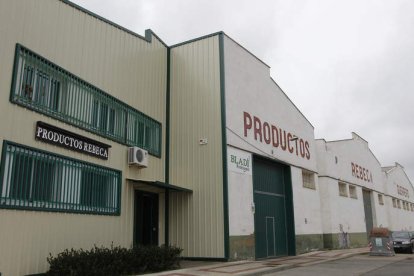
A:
x: 267, y: 266
x: 401, y: 264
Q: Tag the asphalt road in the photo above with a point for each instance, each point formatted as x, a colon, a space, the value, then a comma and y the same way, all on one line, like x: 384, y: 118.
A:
x: 401, y: 264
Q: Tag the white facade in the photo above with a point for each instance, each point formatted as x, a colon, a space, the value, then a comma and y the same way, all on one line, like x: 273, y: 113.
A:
x: 400, y: 190
x: 262, y: 121
x: 347, y: 168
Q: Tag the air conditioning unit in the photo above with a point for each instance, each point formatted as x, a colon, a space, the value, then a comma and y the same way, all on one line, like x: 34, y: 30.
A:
x: 138, y: 157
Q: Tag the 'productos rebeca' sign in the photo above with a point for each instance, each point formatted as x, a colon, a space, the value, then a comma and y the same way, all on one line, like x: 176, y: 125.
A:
x: 69, y: 140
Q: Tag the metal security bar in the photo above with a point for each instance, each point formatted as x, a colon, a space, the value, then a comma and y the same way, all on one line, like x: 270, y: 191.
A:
x: 42, y: 86
x: 34, y: 179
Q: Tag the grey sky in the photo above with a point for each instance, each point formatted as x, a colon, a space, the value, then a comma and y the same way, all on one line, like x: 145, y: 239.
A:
x: 347, y: 64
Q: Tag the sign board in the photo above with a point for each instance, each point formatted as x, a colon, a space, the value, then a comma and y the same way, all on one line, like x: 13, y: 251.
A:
x: 378, y: 241
x: 239, y: 161
x: 69, y: 140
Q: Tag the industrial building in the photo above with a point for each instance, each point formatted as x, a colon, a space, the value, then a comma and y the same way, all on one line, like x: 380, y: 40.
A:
x: 112, y: 137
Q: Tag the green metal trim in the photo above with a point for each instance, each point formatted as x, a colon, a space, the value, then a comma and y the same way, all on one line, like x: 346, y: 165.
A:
x: 51, y: 154
x: 120, y: 179
x: 196, y: 39
x: 15, y: 66
x: 103, y: 19
x: 109, y: 98
x: 161, y: 185
x: 224, y: 148
x: 148, y: 33
x: 167, y: 150
x: 2, y: 164
x: 59, y: 155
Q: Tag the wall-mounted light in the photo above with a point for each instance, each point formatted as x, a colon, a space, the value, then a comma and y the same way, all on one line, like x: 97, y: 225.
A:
x: 203, y: 141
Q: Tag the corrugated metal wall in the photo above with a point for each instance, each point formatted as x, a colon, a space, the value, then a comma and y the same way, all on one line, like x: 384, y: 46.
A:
x: 196, y: 221
x: 123, y: 65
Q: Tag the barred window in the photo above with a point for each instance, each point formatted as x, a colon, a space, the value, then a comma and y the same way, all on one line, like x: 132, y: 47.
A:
x: 353, y: 192
x: 399, y: 204
x: 46, y: 88
x: 394, y: 203
x: 308, y: 179
x: 380, y: 199
x: 34, y: 179
x: 343, y: 191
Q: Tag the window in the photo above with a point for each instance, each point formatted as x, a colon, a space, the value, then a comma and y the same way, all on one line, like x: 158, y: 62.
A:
x: 94, y: 188
x: 342, y: 189
x: 141, y: 132
x: 394, y: 203
x: 412, y: 207
x: 352, y: 192
x: 46, y: 88
x: 28, y: 177
x: 39, y: 88
x: 380, y: 199
x: 399, y: 204
x: 308, y: 179
x: 33, y: 179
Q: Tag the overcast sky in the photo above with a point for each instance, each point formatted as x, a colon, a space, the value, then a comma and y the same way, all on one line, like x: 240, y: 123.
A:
x: 348, y: 65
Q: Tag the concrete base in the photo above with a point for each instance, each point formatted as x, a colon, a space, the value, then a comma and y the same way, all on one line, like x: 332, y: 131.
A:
x: 309, y: 243
x: 242, y: 247
x: 349, y: 240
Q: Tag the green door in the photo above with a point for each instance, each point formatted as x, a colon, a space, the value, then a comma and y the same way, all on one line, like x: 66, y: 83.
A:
x: 271, y: 232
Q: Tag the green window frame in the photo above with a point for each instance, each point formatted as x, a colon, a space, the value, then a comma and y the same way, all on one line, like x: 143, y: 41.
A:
x: 42, y: 86
x: 33, y: 179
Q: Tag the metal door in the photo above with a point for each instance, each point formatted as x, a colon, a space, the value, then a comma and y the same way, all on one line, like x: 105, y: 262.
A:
x: 146, y: 218
x: 366, y: 194
x: 270, y: 209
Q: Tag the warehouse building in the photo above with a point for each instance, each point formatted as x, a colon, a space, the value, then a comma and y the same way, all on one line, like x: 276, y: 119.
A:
x: 112, y: 137
x: 357, y: 194
x: 350, y: 180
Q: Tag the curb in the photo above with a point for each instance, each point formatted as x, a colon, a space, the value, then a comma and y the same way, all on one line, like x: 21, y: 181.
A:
x: 286, y: 267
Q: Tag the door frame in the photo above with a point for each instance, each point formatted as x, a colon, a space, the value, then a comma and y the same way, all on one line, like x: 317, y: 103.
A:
x: 288, y: 202
x: 154, y: 197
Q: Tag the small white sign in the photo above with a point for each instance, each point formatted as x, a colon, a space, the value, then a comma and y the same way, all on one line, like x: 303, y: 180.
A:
x: 378, y: 241
x: 239, y: 161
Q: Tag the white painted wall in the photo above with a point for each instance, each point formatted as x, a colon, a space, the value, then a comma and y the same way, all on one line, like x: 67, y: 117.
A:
x: 397, y: 182
x: 241, y: 214
x: 347, y: 152
x: 335, y: 164
x: 337, y: 210
x: 382, y: 211
x: 307, y: 207
x: 249, y: 88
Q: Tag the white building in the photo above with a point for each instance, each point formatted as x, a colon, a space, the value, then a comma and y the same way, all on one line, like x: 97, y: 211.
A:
x: 231, y: 169
x: 356, y: 193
